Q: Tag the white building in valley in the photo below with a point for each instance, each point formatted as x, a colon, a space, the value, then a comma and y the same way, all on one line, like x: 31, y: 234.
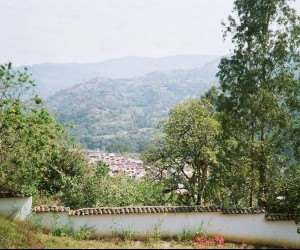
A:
x: 133, y: 168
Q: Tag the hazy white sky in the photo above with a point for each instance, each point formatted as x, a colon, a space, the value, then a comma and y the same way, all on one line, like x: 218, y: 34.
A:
x: 64, y: 31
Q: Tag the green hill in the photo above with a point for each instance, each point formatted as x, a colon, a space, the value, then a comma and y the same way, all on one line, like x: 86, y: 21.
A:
x: 119, y: 115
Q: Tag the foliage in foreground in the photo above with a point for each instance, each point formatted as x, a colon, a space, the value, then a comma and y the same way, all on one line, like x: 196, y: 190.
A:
x: 251, y: 157
x: 187, y: 148
x: 260, y: 91
x: 14, y: 235
x: 99, y: 189
x: 34, y: 150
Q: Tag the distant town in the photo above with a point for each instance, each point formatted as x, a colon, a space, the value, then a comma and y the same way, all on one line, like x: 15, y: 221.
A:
x: 133, y: 168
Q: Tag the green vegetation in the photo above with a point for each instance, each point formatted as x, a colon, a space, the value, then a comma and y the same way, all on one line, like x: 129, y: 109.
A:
x: 35, y: 156
x: 14, y: 235
x: 246, y: 151
x: 38, y: 158
x: 119, y: 115
x: 259, y: 98
x: 235, y: 145
x: 187, y: 148
x: 102, y: 190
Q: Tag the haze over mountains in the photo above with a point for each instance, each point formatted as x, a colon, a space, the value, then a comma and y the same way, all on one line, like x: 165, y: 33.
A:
x: 118, y: 114
x: 51, y: 77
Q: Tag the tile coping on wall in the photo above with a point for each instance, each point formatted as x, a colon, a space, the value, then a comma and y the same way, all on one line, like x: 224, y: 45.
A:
x: 48, y: 208
x: 277, y: 217
x: 162, y: 209
x: 146, y: 209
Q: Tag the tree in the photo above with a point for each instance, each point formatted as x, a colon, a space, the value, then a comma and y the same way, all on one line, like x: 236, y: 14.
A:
x: 259, y: 97
x: 290, y: 192
x: 187, y: 150
x: 100, y: 189
x: 34, y: 149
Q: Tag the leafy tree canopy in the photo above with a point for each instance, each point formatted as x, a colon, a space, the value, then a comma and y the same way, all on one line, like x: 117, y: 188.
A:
x: 34, y: 150
x: 187, y: 149
x: 259, y: 98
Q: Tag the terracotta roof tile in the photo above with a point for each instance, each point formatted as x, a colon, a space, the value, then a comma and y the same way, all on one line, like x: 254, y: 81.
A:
x: 274, y: 217
x: 242, y: 211
x: 161, y: 209
x: 46, y: 208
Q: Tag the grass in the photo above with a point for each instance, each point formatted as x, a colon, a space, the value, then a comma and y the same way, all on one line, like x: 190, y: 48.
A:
x: 14, y: 235
x: 22, y: 235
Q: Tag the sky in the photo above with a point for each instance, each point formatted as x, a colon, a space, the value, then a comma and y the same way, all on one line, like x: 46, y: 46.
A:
x: 82, y: 31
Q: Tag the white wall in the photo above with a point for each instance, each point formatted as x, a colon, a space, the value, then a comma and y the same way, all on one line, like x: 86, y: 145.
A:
x: 52, y: 220
x: 247, y: 228
x: 17, y: 208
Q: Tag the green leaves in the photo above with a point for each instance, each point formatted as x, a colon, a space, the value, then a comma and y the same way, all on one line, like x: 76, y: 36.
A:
x: 188, y: 148
x: 258, y: 81
x: 34, y: 153
x: 99, y: 190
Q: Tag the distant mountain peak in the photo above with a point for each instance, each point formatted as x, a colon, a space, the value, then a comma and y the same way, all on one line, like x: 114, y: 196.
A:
x: 52, y: 77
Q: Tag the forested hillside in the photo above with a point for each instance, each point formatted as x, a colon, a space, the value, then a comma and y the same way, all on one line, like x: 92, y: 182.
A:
x: 118, y: 115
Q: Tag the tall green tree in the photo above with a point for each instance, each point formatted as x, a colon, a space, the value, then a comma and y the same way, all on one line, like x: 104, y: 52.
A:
x: 187, y: 150
x: 259, y: 97
x: 34, y: 149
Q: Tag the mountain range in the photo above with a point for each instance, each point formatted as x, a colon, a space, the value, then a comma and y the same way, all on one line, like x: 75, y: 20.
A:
x: 119, y: 114
x: 52, y: 77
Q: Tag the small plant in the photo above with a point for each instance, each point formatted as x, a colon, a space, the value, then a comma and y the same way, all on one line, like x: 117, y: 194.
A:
x: 156, y: 232
x: 188, y: 235
x: 84, y: 233
x: 127, y: 234
x: 62, y: 231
